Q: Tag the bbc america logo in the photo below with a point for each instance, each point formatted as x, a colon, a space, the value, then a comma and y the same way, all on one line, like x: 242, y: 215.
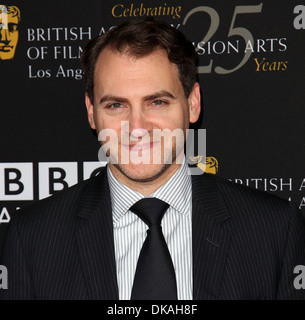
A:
x: 18, y: 180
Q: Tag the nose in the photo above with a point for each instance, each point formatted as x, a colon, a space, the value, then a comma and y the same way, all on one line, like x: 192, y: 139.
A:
x: 139, y: 124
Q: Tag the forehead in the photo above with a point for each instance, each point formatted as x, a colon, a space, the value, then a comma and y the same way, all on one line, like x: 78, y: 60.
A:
x: 114, y: 68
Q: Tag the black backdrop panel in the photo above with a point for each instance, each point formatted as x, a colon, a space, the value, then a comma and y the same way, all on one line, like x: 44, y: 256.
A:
x: 251, y: 71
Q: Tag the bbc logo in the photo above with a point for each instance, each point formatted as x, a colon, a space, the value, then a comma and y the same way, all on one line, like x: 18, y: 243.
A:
x: 17, y: 180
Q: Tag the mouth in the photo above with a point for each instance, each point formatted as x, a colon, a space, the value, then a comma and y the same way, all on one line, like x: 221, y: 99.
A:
x: 140, y: 146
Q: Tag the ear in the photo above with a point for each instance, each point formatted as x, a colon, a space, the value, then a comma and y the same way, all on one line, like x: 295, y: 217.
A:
x: 194, y: 103
x: 90, y: 107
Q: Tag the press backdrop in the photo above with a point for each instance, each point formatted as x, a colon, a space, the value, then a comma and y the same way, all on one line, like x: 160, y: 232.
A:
x: 251, y: 71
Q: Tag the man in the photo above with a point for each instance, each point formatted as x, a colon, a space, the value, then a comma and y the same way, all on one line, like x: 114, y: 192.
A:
x: 223, y: 241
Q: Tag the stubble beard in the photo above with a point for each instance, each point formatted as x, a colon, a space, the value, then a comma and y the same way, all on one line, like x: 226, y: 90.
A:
x: 158, y: 171
x: 147, y: 179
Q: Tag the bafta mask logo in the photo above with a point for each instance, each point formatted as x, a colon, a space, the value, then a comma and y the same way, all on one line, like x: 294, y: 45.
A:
x: 208, y: 165
x: 9, y: 20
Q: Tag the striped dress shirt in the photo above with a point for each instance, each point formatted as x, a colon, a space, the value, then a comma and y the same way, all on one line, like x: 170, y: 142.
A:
x: 130, y: 230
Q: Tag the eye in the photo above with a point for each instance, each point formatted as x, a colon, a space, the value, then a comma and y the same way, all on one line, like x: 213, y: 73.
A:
x: 158, y: 103
x: 115, y: 106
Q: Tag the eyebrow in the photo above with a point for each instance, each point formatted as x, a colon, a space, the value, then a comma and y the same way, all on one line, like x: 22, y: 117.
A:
x: 156, y: 95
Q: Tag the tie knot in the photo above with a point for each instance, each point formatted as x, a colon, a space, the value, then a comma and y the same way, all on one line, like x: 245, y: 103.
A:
x: 150, y: 210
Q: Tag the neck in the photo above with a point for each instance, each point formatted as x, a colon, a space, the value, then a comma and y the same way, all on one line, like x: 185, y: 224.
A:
x: 145, y: 187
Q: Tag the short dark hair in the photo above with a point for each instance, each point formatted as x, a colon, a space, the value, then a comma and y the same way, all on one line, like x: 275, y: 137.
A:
x: 138, y: 39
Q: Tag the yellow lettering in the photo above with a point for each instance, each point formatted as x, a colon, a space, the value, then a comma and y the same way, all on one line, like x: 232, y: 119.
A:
x: 142, y: 10
x: 177, y: 11
x: 125, y: 12
x: 120, y: 10
x: 258, y: 64
x: 114, y: 8
x: 272, y: 66
x: 131, y: 10
x: 154, y: 11
x: 265, y: 66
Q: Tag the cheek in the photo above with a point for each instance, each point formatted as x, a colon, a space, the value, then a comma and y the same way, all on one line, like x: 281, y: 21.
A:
x: 178, y: 119
x: 103, y: 122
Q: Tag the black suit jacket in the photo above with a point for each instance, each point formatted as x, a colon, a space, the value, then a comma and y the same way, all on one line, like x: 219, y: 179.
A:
x: 246, y: 244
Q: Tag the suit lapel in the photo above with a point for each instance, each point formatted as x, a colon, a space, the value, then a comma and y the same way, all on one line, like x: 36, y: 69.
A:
x: 95, y: 240
x: 210, y: 237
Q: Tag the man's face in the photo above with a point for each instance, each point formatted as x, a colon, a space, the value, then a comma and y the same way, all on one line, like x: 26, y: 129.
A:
x: 147, y: 93
x: 8, y: 35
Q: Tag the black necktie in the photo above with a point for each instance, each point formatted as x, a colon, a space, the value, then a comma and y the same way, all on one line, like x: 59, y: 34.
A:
x: 155, y: 274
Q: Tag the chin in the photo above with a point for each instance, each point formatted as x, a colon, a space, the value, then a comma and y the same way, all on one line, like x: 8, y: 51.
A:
x: 142, y: 172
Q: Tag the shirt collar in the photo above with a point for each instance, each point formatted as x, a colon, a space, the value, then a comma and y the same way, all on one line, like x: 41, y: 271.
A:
x: 177, y: 192
x: 122, y: 197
